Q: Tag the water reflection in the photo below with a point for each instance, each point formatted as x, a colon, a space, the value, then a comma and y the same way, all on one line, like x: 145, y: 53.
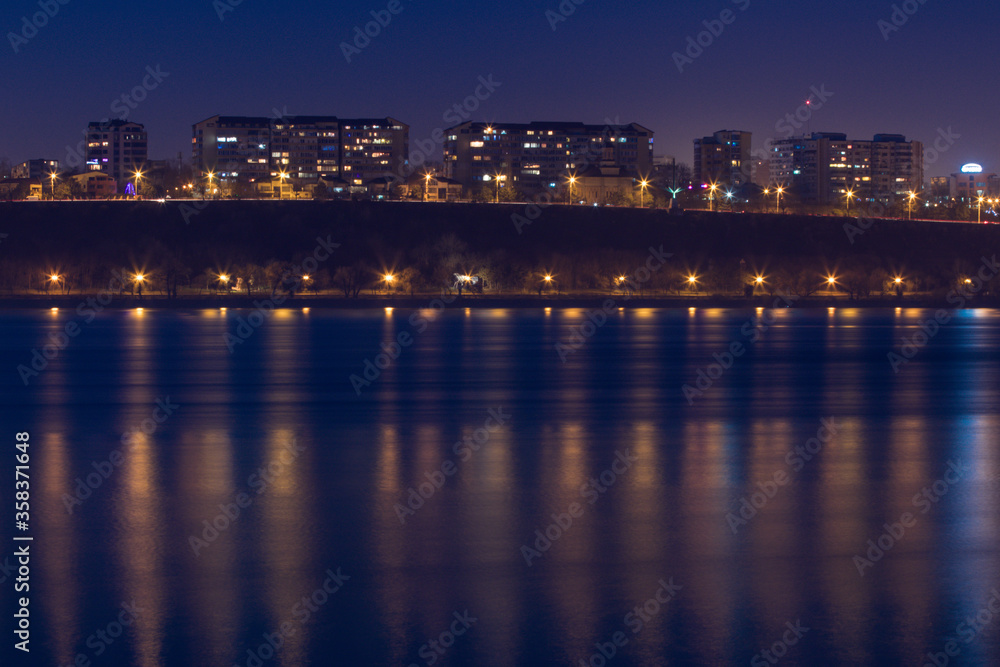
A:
x: 459, y: 548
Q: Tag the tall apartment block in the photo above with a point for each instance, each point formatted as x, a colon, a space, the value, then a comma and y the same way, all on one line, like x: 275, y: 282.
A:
x: 117, y: 148
x: 538, y: 155
x: 723, y: 158
x: 307, y: 148
x: 823, y: 166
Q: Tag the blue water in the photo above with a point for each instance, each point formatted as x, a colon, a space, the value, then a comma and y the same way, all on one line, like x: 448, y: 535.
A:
x: 648, y: 486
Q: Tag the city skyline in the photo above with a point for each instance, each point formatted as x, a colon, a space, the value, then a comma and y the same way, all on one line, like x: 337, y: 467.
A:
x: 185, y: 63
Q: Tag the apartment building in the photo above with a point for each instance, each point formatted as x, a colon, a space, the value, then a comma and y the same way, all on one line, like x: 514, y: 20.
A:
x: 539, y: 155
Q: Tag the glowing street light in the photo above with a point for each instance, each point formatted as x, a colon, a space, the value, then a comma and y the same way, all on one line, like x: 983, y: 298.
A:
x: 140, y: 278
x: 898, y: 280
x: 52, y: 182
x: 911, y: 197
x: 224, y: 279
x: 569, y: 196
x: 759, y: 280
x: 777, y: 206
x: 54, y: 277
x: 692, y: 281
x: 643, y: 184
x: 137, y: 176
x: 711, y: 196
x: 979, y: 215
x: 850, y: 195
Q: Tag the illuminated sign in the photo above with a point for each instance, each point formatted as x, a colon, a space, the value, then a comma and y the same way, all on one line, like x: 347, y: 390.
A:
x: 972, y: 169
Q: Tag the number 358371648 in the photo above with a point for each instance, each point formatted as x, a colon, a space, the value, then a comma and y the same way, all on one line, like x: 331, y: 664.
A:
x: 21, y: 477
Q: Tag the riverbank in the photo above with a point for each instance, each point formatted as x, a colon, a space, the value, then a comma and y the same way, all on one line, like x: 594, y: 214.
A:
x: 590, y: 301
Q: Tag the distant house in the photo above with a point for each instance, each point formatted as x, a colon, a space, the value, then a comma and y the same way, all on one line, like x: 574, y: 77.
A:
x: 20, y: 188
x: 276, y: 188
x: 438, y: 188
x: 600, y: 183
x: 96, y: 184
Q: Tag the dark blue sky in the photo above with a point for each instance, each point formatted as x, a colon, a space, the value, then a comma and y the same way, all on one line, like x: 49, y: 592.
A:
x: 605, y: 61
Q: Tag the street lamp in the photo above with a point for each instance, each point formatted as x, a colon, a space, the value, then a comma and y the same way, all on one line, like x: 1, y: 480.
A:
x: 692, y: 281
x: 389, y: 279
x: 909, y: 206
x: 777, y: 205
x: 831, y: 282
x: 850, y: 195
x: 759, y: 280
x: 211, y: 175
x: 979, y: 215
x: 224, y: 279
x: 711, y: 196
x: 427, y: 185
x: 643, y: 184
x: 569, y: 197
x: 137, y: 177
x: 52, y: 182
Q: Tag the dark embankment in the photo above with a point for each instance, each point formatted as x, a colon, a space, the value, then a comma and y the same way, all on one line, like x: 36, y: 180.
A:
x: 88, y: 240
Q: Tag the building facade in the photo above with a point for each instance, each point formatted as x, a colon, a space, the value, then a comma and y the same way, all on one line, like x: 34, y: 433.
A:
x: 117, y: 148
x: 723, y: 158
x: 39, y: 169
x: 971, y: 183
x: 96, y: 185
x: 537, y: 156
x: 304, y: 148
x: 824, y: 166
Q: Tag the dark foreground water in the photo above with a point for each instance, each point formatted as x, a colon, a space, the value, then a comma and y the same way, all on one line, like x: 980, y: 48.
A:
x: 670, y: 531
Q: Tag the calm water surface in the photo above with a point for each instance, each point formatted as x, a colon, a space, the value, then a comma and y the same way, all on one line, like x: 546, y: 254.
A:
x: 704, y: 503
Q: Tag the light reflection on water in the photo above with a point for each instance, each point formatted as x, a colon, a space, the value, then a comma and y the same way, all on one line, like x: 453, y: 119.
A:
x: 337, y: 504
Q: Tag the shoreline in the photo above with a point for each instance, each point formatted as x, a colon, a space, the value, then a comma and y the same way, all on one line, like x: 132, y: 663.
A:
x: 72, y: 301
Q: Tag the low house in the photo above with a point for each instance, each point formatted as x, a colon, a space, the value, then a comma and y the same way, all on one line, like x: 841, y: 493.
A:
x: 603, y: 183
x: 96, y: 184
x: 438, y: 188
x: 276, y: 188
x: 20, y: 188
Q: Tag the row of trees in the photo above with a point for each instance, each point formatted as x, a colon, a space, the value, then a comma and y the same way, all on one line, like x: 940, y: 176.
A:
x: 449, y: 266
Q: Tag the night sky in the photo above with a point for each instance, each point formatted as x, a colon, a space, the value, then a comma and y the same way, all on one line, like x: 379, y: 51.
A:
x: 603, y: 61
